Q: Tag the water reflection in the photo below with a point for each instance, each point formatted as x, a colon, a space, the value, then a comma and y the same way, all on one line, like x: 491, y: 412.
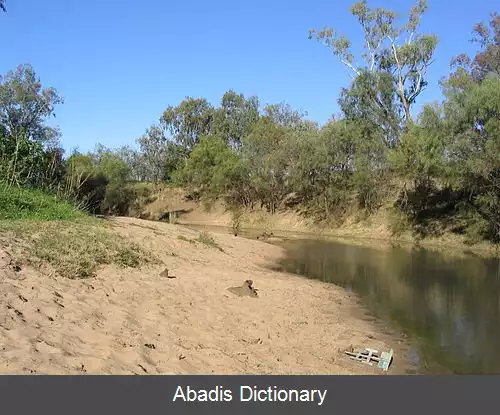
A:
x: 449, y: 305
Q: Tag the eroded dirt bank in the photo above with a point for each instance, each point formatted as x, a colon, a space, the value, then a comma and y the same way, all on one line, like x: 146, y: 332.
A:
x: 135, y: 321
x: 374, y: 230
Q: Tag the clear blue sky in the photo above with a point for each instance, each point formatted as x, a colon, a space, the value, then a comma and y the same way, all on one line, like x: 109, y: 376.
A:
x: 120, y: 63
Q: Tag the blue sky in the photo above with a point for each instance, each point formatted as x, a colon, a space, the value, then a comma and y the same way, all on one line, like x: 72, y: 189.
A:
x: 119, y: 63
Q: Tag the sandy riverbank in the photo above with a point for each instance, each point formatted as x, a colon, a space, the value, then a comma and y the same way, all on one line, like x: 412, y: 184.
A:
x: 128, y: 321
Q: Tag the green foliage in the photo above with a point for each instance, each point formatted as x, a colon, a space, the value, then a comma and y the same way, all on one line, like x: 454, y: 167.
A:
x: 29, y: 151
x: 420, y: 155
x: 112, y: 167
x: 33, y: 204
x: 385, y: 51
x: 157, y: 156
x: 284, y: 115
x: 265, y: 152
x: 371, y: 99
x: 188, y: 122
x: 210, y: 168
x: 399, y: 222
x: 119, y: 199
x: 235, y: 118
x: 473, y: 123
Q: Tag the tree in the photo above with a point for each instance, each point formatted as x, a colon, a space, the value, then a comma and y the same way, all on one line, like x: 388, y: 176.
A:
x: 385, y: 51
x: 420, y: 159
x: 131, y: 157
x: 187, y: 122
x: 153, y: 150
x: 265, y: 151
x: 118, y: 195
x: 82, y: 185
x: 487, y: 60
x: 24, y: 105
x: 210, y: 168
x: 235, y: 117
x: 284, y: 115
x: 2, y: 5
x: 473, y: 125
x: 371, y: 99
x: 24, y: 110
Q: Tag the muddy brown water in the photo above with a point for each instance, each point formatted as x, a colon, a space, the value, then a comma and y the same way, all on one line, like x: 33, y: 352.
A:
x: 448, y: 306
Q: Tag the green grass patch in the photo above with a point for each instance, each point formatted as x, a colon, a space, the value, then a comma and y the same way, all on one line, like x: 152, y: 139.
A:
x: 74, y: 249
x: 20, y: 203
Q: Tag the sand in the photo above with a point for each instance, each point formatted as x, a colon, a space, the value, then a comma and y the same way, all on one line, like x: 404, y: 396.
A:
x: 134, y: 321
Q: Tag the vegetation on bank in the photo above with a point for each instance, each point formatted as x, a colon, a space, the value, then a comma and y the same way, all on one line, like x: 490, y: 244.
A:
x: 439, y: 170
x: 50, y: 231
x: 19, y: 203
x: 72, y: 249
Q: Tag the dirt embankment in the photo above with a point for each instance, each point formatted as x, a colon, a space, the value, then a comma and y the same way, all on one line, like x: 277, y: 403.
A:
x: 372, y: 230
x: 127, y: 321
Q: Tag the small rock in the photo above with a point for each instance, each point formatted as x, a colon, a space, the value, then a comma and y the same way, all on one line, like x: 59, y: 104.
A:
x: 165, y: 274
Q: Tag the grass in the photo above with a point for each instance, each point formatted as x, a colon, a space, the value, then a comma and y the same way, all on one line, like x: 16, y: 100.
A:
x: 73, y: 249
x: 207, y: 239
x: 42, y: 229
x: 18, y: 203
x: 183, y: 238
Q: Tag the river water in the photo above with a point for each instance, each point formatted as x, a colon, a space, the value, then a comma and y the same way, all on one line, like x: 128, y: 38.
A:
x: 447, y: 305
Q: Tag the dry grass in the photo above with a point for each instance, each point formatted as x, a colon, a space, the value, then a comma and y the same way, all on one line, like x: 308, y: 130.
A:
x: 73, y: 249
x: 204, y: 238
x: 207, y: 239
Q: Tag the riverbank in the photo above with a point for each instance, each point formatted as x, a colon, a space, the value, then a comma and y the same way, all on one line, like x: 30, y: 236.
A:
x: 134, y: 320
x: 372, y: 230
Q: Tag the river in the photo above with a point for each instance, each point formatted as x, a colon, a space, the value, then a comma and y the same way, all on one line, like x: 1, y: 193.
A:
x: 447, y: 305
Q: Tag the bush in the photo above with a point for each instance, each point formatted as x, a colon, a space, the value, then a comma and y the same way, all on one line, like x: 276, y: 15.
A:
x: 118, y: 200
x: 207, y: 239
x: 399, y: 222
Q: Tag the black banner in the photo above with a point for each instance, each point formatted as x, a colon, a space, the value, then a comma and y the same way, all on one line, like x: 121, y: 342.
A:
x: 247, y: 394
